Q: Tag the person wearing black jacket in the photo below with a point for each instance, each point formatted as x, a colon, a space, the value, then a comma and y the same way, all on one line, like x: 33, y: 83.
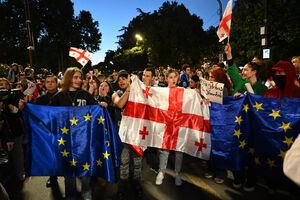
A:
x: 72, y: 95
x: 14, y: 123
x: 51, y: 86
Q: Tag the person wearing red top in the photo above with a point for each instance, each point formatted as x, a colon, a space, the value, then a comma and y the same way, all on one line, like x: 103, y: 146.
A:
x: 284, y: 76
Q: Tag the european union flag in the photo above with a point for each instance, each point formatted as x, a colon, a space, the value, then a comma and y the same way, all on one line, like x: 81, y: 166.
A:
x: 254, y: 130
x: 230, y: 133
x: 275, y: 124
x: 71, y: 141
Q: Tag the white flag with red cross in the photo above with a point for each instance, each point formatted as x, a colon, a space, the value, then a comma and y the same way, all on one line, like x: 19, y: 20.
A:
x: 224, y: 27
x: 166, y: 118
x: 81, y: 56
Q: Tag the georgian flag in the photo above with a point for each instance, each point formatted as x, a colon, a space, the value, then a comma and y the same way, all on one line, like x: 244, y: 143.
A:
x: 81, y: 56
x: 224, y: 27
x: 166, y: 118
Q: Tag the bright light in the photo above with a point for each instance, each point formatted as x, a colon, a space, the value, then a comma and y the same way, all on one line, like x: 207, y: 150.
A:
x: 138, y: 37
x: 111, y: 62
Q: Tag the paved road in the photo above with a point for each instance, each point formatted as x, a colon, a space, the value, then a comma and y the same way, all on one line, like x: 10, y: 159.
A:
x: 194, y: 186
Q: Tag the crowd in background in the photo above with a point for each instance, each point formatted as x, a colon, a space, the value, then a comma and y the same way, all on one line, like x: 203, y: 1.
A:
x: 44, y: 88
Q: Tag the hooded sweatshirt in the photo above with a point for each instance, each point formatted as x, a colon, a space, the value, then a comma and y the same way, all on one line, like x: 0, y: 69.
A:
x: 290, y: 89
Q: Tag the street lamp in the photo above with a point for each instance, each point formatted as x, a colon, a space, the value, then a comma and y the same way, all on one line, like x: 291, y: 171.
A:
x: 138, y: 37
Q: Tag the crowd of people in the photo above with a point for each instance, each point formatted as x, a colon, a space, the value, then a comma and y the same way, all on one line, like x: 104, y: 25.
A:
x: 74, y: 88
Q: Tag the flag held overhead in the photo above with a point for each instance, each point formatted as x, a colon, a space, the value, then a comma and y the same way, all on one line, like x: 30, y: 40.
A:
x: 224, y: 27
x: 81, y: 56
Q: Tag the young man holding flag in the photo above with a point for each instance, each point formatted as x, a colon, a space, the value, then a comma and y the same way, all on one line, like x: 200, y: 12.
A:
x: 120, y: 99
x: 72, y: 95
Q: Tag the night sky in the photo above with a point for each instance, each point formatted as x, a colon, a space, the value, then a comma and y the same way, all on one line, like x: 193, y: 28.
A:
x: 112, y: 15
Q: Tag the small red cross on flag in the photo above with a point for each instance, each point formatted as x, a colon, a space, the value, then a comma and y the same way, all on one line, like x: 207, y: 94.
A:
x: 224, y: 27
x: 81, y: 56
x: 173, y: 119
x: 144, y: 132
x: 146, y: 92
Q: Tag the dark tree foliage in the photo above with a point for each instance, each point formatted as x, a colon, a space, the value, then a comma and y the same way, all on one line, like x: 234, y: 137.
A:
x: 55, y: 30
x: 283, y: 30
x: 171, y: 35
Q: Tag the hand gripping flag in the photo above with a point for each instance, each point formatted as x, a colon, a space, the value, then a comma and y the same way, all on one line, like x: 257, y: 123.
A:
x: 71, y: 141
x: 81, y: 56
x: 167, y: 118
x: 224, y: 27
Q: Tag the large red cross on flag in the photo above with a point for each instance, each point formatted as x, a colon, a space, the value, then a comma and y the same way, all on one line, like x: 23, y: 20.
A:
x: 81, y: 56
x: 167, y: 118
x: 224, y: 27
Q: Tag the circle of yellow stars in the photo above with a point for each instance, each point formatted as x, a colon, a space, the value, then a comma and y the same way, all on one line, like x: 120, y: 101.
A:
x: 285, y: 127
x: 64, y: 153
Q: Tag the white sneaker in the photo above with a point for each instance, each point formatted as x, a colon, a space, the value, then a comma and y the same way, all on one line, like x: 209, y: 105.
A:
x: 178, y: 180
x: 159, y: 178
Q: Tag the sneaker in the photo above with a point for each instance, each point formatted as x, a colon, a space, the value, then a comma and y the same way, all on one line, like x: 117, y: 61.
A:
x: 219, y: 180
x: 178, y: 180
x: 159, y: 178
x: 236, y: 184
x: 22, y: 177
x: 208, y: 175
x: 51, y: 182
x: 249, y: 188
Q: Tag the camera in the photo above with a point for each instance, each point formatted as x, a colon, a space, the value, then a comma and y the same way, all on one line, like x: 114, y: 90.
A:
x: 7, y: 96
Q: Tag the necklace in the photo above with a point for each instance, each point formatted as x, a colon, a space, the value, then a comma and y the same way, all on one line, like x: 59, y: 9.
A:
x: 72, y: 100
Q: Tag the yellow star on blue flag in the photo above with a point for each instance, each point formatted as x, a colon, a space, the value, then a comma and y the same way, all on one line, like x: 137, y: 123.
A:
x: 285, y: 126
x: 106, y: 155
x: 73, y: 162
x: 62, y: 144
x: 245, y: 107
x: 74, y: 121
x: 275, y: 114
x: 258, y: 106
x: 288, y: 141
x: 64, y: 153
x: 99, y: 163
x: 238, y: 119
x: 101, y: 120
x: 86, y: 166
x: 64, y: 130
x: 87, y: 117
x: 61, y: 141
x: 237, y: 133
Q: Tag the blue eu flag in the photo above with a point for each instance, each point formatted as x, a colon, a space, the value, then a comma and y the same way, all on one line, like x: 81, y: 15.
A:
x: 254, y: 130
x: 71, y: 141
x: 229, y: 133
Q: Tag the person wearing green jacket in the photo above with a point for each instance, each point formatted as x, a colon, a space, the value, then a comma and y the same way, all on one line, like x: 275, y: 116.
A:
x: 250, y: 74
x: 245, y: 177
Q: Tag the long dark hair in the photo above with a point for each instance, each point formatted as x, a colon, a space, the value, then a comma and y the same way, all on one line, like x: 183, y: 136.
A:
x: 66, y: 82
x: 262, y: 73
